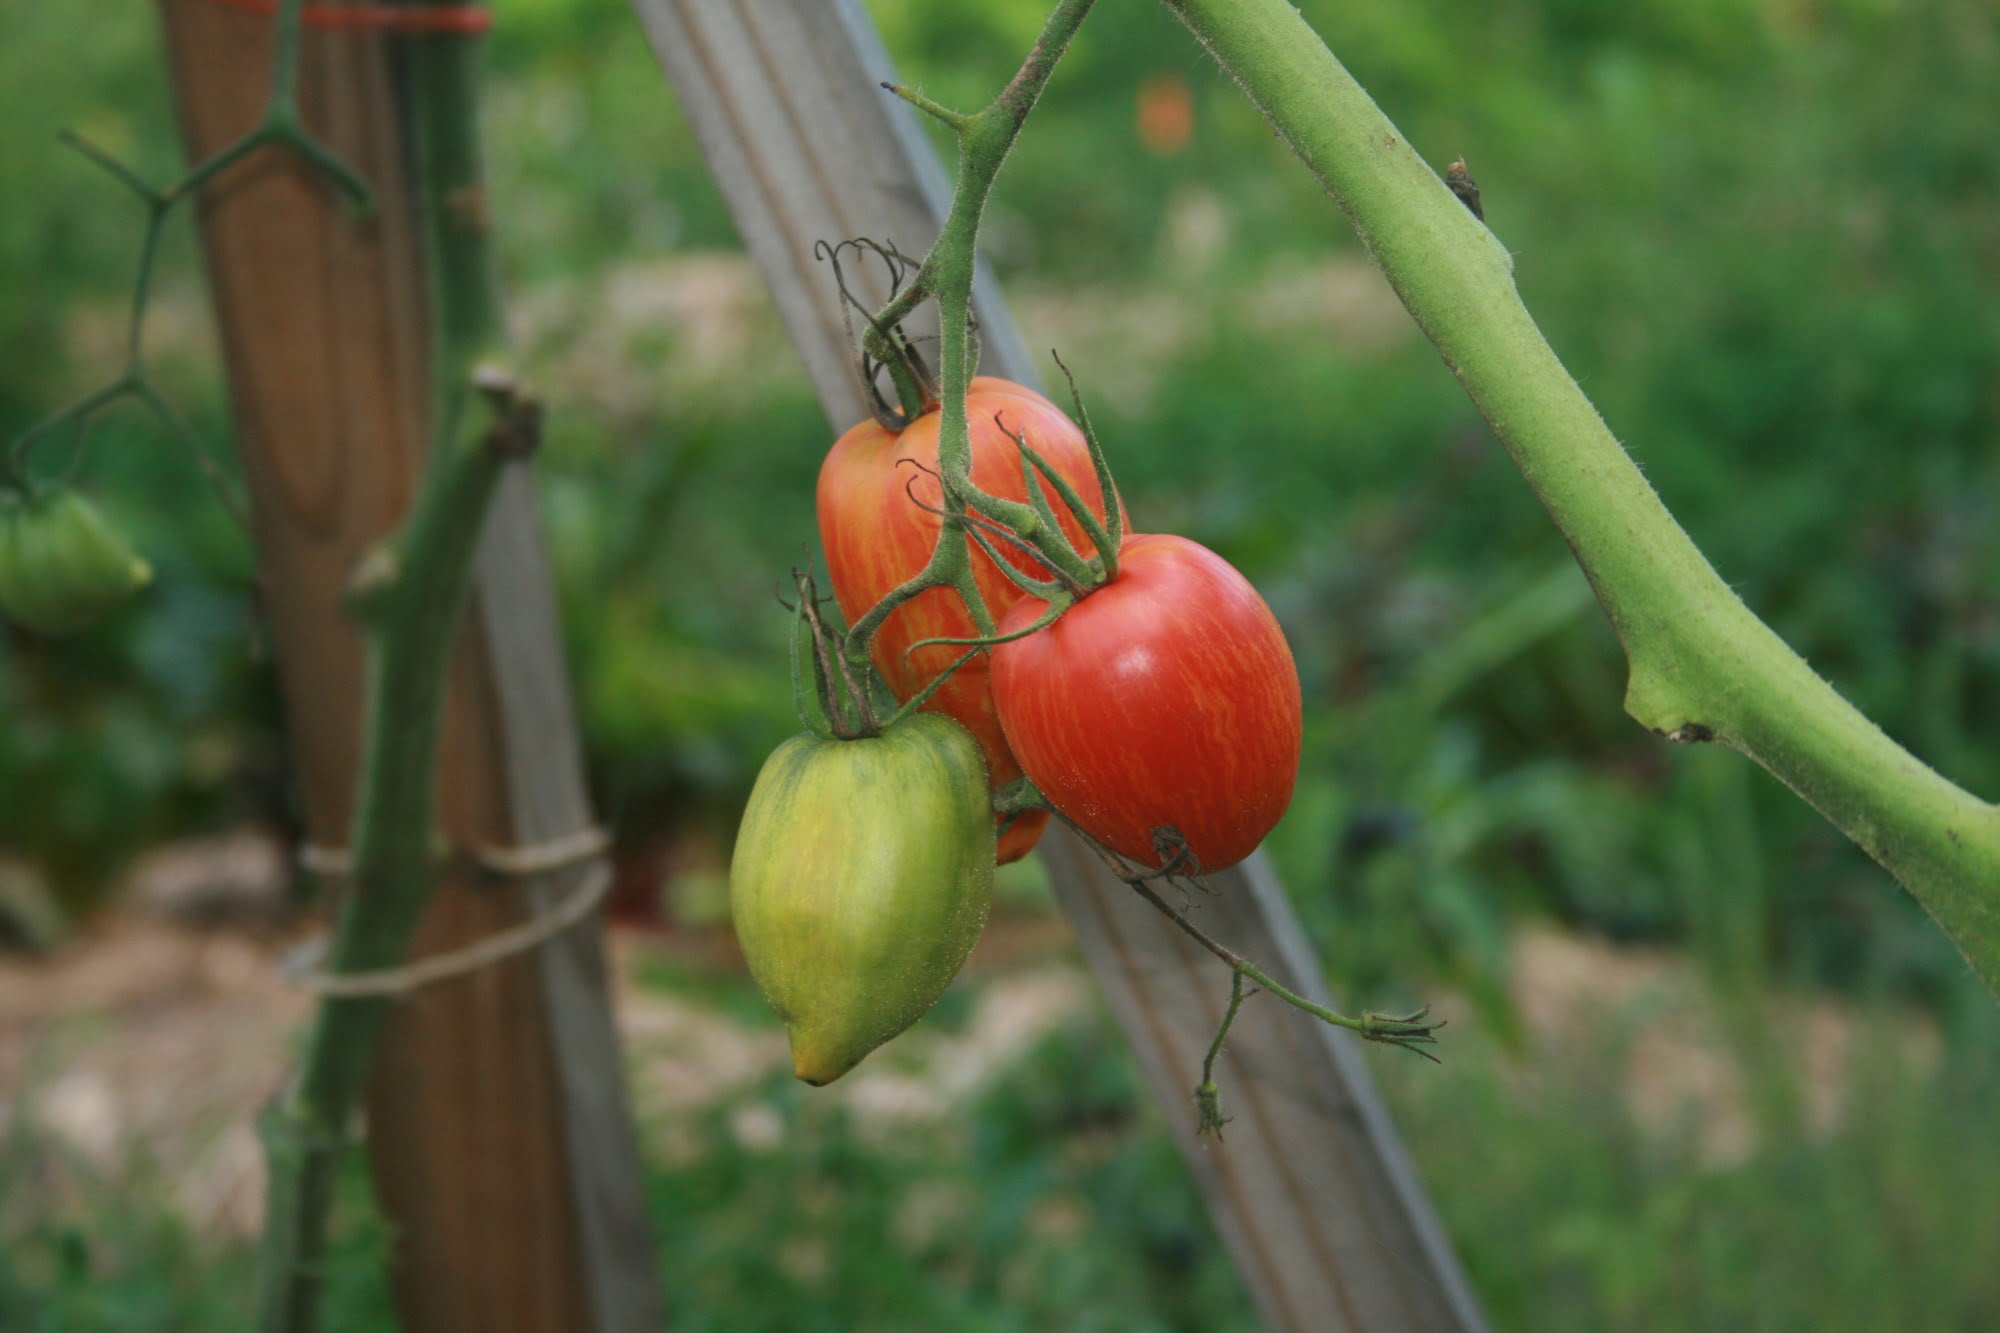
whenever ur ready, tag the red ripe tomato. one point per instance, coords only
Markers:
(875, 539)
(1166, 699)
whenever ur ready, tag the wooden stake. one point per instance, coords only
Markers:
(502, 1147)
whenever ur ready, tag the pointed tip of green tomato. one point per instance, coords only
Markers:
(816, 1066)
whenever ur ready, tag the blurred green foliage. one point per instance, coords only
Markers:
(1759, 231)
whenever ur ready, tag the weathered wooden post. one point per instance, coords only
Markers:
(1313, 1194)
(502, 1146)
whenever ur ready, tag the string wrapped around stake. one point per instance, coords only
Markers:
(301, 968)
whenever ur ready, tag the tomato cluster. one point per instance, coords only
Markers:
(1153, 705)
(1160, 713)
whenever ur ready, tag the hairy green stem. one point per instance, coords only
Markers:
(1058, 604)
(408, 594)
(984, 140)
(937, 682)
(1236, 998)
(1702, 666)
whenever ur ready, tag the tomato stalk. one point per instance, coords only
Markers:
(916, 389)
(1208, 1097)
(1703, 667)
(985, 138)
(1059, 602)
(1411, 1032)
(1067, 572)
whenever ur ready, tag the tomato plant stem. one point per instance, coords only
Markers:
(985, 138)
(1702, 665)
(408, 595)
(278, 127)
(1411, 1031)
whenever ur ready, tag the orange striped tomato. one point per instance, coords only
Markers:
(1161, 711)
(876, 538)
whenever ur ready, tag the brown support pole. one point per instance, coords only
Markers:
(501, 1144)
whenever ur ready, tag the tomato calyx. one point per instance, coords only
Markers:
(1036, 525)
(1034, 530)
(836, 693)
(1018, 797)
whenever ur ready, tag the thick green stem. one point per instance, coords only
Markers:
(1703, 667)
(409, 595)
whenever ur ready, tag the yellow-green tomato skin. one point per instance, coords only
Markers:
(862, 877)
(61, 565)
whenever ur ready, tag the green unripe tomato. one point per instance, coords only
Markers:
(61, 565)
(862, 876)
